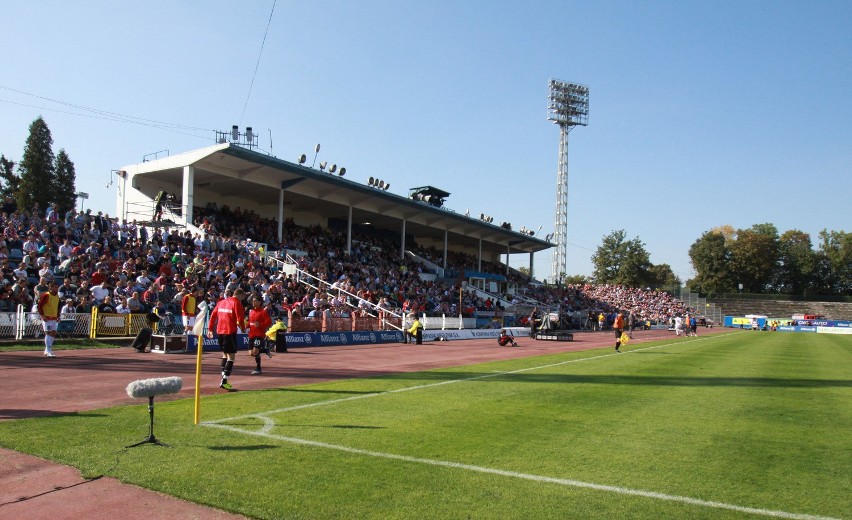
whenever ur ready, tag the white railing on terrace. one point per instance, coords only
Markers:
(316, 283)
(438, 270)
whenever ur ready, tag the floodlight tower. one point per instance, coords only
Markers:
(568, 107)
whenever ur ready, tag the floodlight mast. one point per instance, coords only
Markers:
(568, 107)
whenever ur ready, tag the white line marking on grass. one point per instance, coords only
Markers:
(526, 476)
(448, 382)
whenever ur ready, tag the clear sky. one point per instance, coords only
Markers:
(702, 113)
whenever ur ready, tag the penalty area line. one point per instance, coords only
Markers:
(527, 476)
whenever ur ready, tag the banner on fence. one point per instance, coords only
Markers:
(336, 339)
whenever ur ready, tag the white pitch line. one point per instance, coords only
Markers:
(449, 382)
(527, 476)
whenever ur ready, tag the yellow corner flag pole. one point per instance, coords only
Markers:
(199, 330)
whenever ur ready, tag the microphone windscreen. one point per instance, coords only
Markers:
(155, 386)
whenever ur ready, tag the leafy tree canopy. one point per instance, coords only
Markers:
(622, 262)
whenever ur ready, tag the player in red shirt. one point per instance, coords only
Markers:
(259, 322)
(228, 316)
(506, 339)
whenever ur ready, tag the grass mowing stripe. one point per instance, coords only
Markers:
(440, 383)
(526, 476)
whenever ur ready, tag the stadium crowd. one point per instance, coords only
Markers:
(131, 267)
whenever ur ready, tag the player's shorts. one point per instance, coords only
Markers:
(188, 321)
(49, 325)
(257, 343)
(618, 333)
(228, 343)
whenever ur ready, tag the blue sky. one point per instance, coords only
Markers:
(701, 113)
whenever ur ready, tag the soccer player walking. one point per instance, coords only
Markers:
(48, 309)
(259, 321)
(226, 318)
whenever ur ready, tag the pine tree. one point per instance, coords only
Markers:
(64, 183)
(10, 181)
(36, 169)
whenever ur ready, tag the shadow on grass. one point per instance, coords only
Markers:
(24, 413)
(319, 391)
(612, 379)
(254, 447)
(339, 426)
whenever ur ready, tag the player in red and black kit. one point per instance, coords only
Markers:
(259, 322)
(506, 339)
(227, 316)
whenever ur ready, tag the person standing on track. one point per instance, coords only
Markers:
(618, 328)
(258, 321)
(226, 318)
(189, 308)
(48, 309)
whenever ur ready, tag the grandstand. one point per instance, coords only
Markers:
(233, 176)
(331, 254)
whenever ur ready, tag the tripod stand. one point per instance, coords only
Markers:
(151, 439)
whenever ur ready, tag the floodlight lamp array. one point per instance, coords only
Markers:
(568, 103)
(379, 184)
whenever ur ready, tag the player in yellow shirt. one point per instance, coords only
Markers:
(48, 309)
(273, 336)
(415, 332)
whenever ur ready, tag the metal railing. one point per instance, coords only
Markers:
(709, 310)
(388, 317)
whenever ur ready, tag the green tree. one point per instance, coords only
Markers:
(835, 253)
(754, 257)
(8, 179)
(620, 261)
(796, 263)
(36, 168)
(711, 258)
(64, 183)
(576, 279)
(662, 277)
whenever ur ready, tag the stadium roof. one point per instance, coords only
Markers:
(227, 170)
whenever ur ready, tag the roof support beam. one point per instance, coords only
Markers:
(188, 194)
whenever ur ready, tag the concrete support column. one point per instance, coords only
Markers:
(188, 195)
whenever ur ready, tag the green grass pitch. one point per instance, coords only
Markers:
(740, 425)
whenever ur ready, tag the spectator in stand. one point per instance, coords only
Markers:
(21, 293)
(106, 305)
(42, 287)
(67, 309)
(31, 245)
(151, 296)
(142, 282)
(65, 250)
(134, 303)
(100, 292)
(122, 307)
